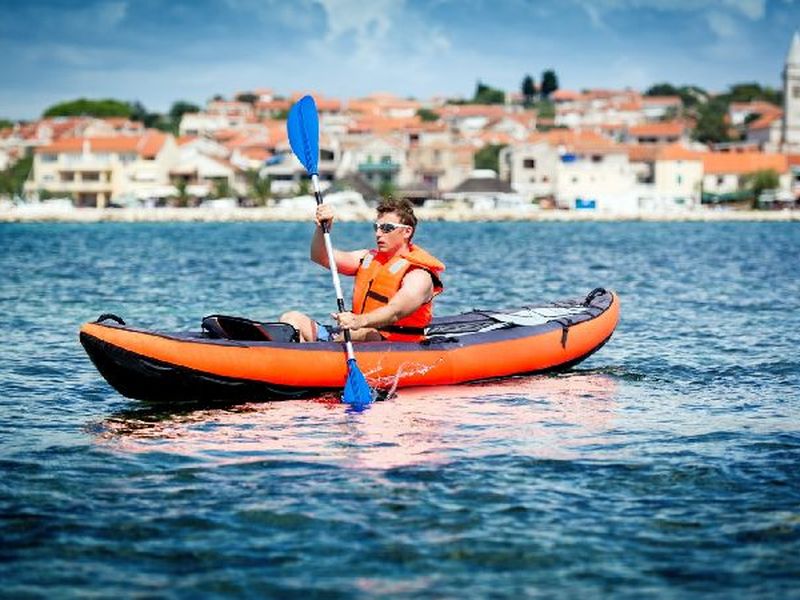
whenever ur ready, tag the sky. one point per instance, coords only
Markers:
(160, 51)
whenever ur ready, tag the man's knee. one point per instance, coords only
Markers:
(302, 322)
(292, 316)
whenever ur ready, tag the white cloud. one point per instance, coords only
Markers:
(723, 25)
(370, 35)
(111, 14)
(596, 9)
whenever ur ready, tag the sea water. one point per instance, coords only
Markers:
(667, 465)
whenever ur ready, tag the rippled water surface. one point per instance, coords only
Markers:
(666, 465)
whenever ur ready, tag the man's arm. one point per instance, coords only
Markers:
(347, 263)
(416, 290)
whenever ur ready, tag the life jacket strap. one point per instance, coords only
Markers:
(377, 296)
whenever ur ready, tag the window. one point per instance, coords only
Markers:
(49, 158)
(679, 180)
(720, 180)
(529, 163)
(67, 176)
(90, 176)
(325, 155)
(596, 158)
(796, 91)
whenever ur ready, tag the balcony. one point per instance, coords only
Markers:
(384, 166)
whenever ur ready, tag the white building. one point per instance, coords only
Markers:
(95, 170)
(579, 170)
(791, 97)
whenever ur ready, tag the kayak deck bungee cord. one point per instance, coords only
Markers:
(232, 358)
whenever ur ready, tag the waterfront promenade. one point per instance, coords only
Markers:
(37, 213)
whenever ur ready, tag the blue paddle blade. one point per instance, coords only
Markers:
(303, 129)
(357, 392)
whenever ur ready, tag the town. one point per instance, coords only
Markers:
(590, 152)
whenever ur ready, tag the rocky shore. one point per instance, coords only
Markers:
(37, 213)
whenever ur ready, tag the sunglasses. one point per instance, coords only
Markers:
(389, 227)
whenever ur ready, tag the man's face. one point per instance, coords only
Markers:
(390, 233)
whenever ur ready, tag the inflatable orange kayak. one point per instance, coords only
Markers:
(238, 359)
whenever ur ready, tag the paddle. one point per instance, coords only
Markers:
(303, 128)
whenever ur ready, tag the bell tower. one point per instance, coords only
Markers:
(791, 98)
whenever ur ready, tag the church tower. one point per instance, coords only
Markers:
(791, 98)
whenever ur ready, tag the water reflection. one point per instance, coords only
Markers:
(555, 417)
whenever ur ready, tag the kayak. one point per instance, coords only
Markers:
(237, 359)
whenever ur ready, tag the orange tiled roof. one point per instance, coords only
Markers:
(383, 124)
(642, 152)
(755, 106)
(256, 153)
(147, 145)
(678, 152)
(663, 129)
(495, 138)
(662, 100)
(794, 160)
(741, 163)
(564, 95)
(630, 106)
(273, 105)
(765, 120)
(576, 140)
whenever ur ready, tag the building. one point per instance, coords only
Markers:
(726, 172)
(95, 170)
(577, 169)
(791, 98)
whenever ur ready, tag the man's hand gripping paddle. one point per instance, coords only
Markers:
(303, 128)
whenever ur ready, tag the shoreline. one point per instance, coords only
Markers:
(46, 214)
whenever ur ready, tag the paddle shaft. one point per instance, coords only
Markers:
(332, 265)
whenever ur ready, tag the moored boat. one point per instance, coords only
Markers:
(233, 359)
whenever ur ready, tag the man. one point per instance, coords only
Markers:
(395, 283)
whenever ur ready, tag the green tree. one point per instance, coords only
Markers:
(662, 89)
(180, 108)
(141, 114)
(485, 94)
(5, 123)
(222, 188)
(761, 181)
(528, 90)
(303, 188)
(427, 115)
(711, 126)
(690, 95)
(248, 97)
(93, 108)
(183, 197)
(546, 109)
(549, 83)
(260, 187)
(386, 188)
(488, 157)
(13, 178)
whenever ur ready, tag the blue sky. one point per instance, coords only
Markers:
(159, 51)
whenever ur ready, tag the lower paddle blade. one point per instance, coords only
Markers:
(356, 389)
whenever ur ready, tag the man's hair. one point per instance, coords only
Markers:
(401, 207)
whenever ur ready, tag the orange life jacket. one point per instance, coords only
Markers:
(379, 277)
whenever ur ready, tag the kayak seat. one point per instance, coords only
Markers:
(246, 330)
